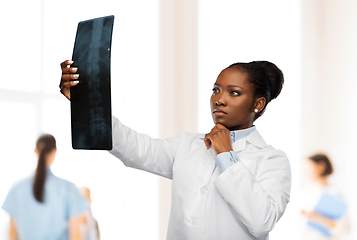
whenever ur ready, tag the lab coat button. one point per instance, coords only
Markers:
(203, 190)
(194, 222)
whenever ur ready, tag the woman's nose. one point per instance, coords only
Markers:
(220, 101)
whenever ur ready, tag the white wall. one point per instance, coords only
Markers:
(328, 86)
(178, 81)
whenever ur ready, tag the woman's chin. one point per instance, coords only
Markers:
(220, 122)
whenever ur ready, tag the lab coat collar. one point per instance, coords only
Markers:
(253, 138)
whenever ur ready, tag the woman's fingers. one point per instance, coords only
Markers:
(209, 136)
(207, 142)
(220, 126)
(67, 68)
(69, 84)
(69, 78)
(70, 70)
(219, 138)
(66, 63)
(65, 88)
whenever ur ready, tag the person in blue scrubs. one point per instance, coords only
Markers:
(43, 206)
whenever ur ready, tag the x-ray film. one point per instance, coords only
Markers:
(91, 112)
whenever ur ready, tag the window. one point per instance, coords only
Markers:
(31, 104)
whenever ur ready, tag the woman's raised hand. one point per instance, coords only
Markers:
(219, 138)
(68, 78)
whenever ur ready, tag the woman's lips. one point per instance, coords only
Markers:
(218, 112)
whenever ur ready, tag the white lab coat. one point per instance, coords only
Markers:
(242, 203)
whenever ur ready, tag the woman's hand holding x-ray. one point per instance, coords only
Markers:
(68, 78)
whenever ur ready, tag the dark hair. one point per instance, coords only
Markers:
(267, 79)
(322, 158)
(45, 144)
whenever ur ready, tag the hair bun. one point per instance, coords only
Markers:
(275, 76)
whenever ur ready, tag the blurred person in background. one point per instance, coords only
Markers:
(323, 207)
(89, 226)
(43, 206)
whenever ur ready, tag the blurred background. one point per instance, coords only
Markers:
(166, 56)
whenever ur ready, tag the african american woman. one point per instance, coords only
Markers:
(228, 183)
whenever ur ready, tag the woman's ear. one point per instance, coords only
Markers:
(37, 152)
(321, 166)
(259, 104)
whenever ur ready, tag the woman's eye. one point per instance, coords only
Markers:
(215, 90)
(235, 93)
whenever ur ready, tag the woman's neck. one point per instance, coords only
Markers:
(322, 181)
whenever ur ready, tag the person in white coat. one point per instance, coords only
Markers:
(319, 169)
(228, 183)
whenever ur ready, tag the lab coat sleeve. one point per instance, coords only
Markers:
(258, 201)
(142, 152)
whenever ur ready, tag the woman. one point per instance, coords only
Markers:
(89, 226)
(319, 169)
(228, 183)
(43, 206)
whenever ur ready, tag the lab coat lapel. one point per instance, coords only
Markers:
(208, 159)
